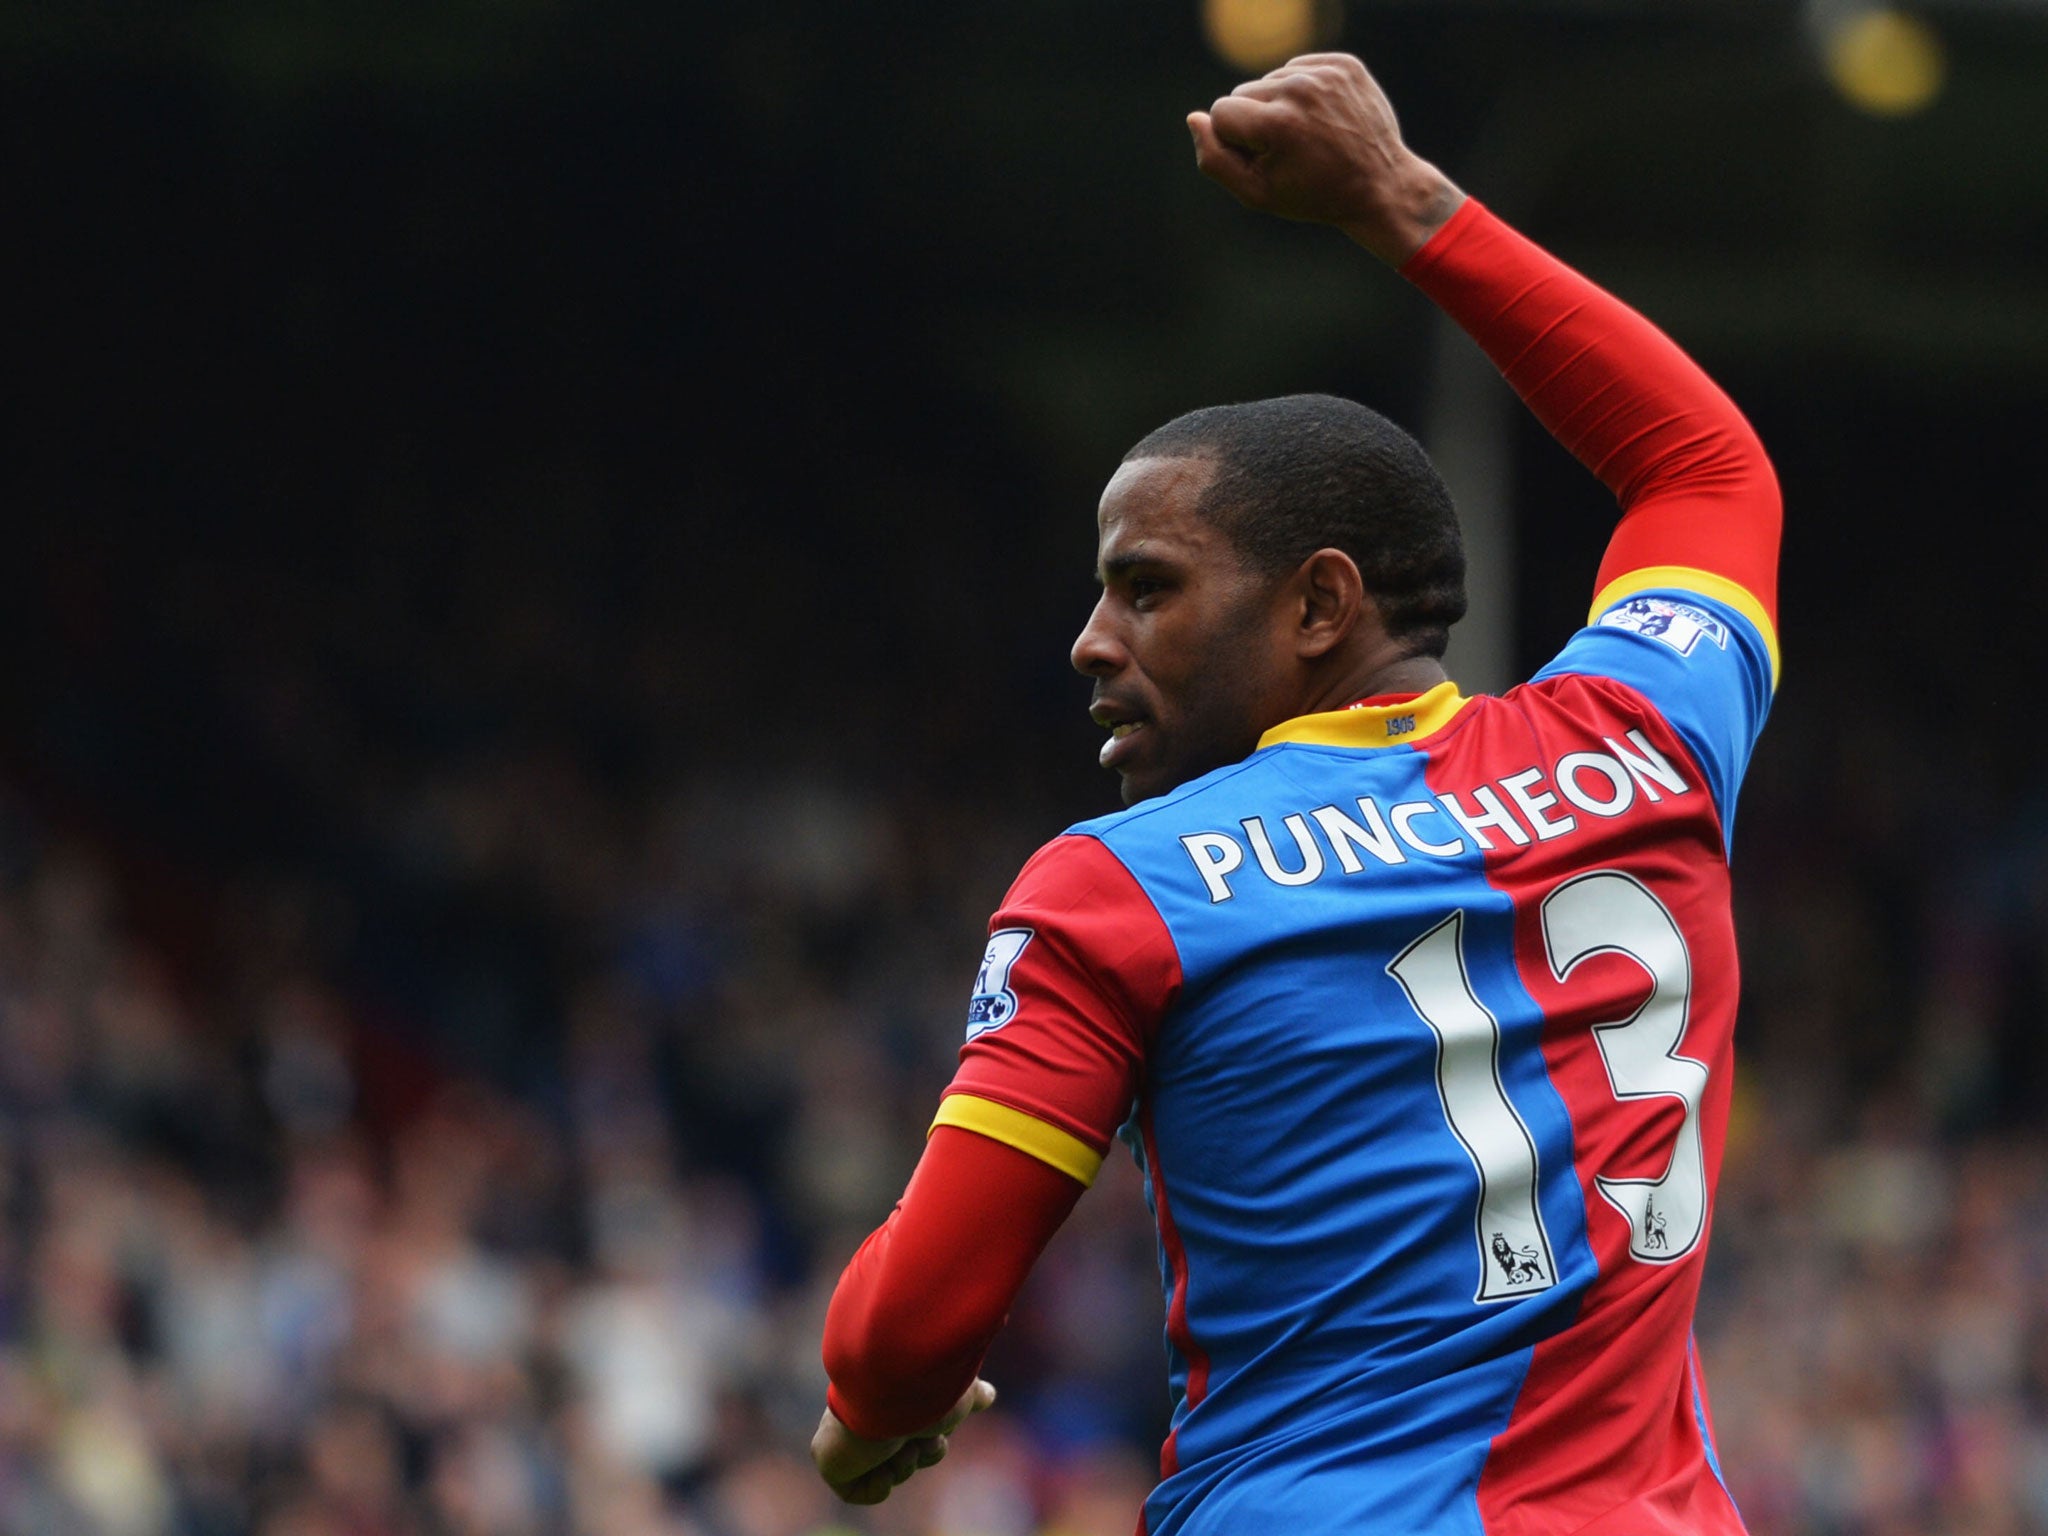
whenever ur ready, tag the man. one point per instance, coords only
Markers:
(1415, 1008)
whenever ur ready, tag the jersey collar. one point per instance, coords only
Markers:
(1373, 725)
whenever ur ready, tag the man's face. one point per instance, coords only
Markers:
(1187, 648)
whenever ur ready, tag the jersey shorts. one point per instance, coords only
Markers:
(1419, 1022)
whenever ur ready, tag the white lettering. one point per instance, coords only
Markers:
(1262, 845)
(1404, 814)
(1347, 836)
(1494, 814)
(1618, 780)
(1215, 854)
(1533, 806)
(1650, 769)
(1597, 783)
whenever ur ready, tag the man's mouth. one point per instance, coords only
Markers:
(1123, 728)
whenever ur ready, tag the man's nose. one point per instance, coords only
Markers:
(1096, 652)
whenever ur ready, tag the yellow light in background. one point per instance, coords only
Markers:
(1257, 34)
(1885, 62)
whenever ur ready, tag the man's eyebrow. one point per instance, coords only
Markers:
(1123, 565)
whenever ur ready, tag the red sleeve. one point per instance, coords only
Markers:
(919, 1303)
(1059, 1030)
(1695, 487)
(1078, 970)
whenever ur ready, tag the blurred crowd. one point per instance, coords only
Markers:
(239, 1295)
(481, 1160)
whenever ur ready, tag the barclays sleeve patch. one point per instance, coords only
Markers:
(994, 1004)
(1679, 625)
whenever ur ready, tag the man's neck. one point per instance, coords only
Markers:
(1409, 675)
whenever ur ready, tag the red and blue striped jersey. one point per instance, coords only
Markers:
(1435, 1004)
(1420, 1022)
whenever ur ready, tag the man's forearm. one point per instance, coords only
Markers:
(917, 1307)
(1694, 484)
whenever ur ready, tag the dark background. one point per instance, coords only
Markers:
(544, 543)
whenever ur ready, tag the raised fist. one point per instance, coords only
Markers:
(1316, 139)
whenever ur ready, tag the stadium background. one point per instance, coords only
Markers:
(543, 545)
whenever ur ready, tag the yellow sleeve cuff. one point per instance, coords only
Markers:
(1027, 1133)
(1686, 578)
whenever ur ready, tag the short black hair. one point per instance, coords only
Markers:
(1307, 472)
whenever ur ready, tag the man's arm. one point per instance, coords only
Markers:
(1696, 489)
(916, 1308)
(1317, 140)
(1078, 968)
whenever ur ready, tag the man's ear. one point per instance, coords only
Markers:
(1333, 601)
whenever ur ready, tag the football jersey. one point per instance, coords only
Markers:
(1419, 1022)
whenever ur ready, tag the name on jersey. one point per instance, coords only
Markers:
(1520, 808)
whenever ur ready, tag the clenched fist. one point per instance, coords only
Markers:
(867, 1471)
(1316, 140)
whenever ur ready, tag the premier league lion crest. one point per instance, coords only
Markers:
(994, 1004)
(1679, 625)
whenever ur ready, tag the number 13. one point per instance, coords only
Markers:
(1605, 912)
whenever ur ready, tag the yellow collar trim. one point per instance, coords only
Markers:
(1373, 725)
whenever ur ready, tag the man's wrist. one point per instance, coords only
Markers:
(846, 1418)
(1402, 222)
